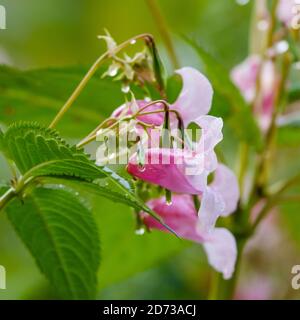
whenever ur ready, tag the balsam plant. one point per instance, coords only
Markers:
(46, 199)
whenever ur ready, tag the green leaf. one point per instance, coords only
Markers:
(237, 113)
(31, 146)
(290, 217)
(289, 137)
(125, 254)
(114, 188)
(39, 94)
(61, 234)
(289, 132)
(3, 188)
(294, 93)
(1, 139)
(39, 151)
(67, 168)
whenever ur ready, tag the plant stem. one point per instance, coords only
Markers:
(90, 74)
(263, 167)
(4, 199)
(244, 161)
(274, 199)
(163, 30)
(272, 22)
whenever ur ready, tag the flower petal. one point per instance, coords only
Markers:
(226, 185)
(210, 209)
(285, 12)
(170, 169)
(245, 75)
(196, 95)
(221, 251)
(180, 215)
(211, 135)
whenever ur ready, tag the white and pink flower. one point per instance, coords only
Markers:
(185, 177)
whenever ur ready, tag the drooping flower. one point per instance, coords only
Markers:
(185, 170)
(189, 167)
(255, 72)
(183, 218)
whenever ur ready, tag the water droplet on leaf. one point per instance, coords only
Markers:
(125, 88)
(140, 231)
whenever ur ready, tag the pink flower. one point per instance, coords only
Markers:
(183, 171)
(245, 76)
(186, 171)
(259, 287)
(183, 218)
(196, 95)
(286, 11)
(193, 102)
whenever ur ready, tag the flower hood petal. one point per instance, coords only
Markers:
(195, 97)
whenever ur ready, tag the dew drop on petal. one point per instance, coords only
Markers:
(169, 203)
(141, 168)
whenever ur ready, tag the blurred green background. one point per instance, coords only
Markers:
(64, 33)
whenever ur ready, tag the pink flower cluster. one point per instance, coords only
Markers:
(255, 72)
(218, 198)
(287, 10)
(260, 72)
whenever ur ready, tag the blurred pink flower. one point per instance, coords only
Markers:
(247, 76)
(285, 11)
(256, 288)
(182, 217)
